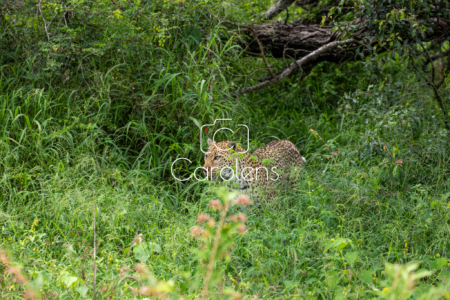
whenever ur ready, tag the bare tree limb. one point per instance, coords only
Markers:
(433, 86)
(275, 10)
(438, 55)
(263, 55)
(43, 19)
(296, 65)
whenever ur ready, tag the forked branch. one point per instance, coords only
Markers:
(293, 66)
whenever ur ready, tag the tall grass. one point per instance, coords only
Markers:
(375, 189)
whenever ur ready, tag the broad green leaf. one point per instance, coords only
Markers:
(351, 257)
(365, 276)
(141, 252)
(70, 281)
(434, 204)
(82, 290)
(339, 243)
(332, 278)
(438, 263)
(445, 275)
(154, 247)
(288, 285)
(165, 286)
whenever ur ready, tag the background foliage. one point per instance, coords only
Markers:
(98, 98)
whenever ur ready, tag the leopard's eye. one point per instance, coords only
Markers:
(216, 157)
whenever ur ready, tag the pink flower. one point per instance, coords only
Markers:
(196, 231)
(202, 218)
(242, 228)
(243, 200)
(234, 218)
(215, 204)
(242, 217)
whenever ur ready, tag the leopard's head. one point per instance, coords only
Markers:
(219, 159)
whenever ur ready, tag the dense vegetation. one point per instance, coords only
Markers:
(98, 99)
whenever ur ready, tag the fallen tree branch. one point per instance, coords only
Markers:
(307, 43)
(279, 39)
(295, 65)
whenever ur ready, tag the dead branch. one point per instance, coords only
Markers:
(296, 65)
(276, 9)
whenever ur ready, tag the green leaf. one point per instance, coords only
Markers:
(445, 196)
(70, 281)
(196, 122)
(28, 121)
(332, 278)
(141, 252)
(438, 263)
(339, 243)
(445, 275)
(82, 290)
(365, 276)
(351, 257)
(154, 247)
(434, 204)
(288, 285)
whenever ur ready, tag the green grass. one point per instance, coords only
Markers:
(375, 188)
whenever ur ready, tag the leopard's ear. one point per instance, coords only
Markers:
(232, 145)
(210, 142)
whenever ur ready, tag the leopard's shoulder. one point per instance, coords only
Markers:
(282, 150)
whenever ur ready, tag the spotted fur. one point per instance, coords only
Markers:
(260, 174)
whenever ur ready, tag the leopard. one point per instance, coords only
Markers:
(260, 175)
